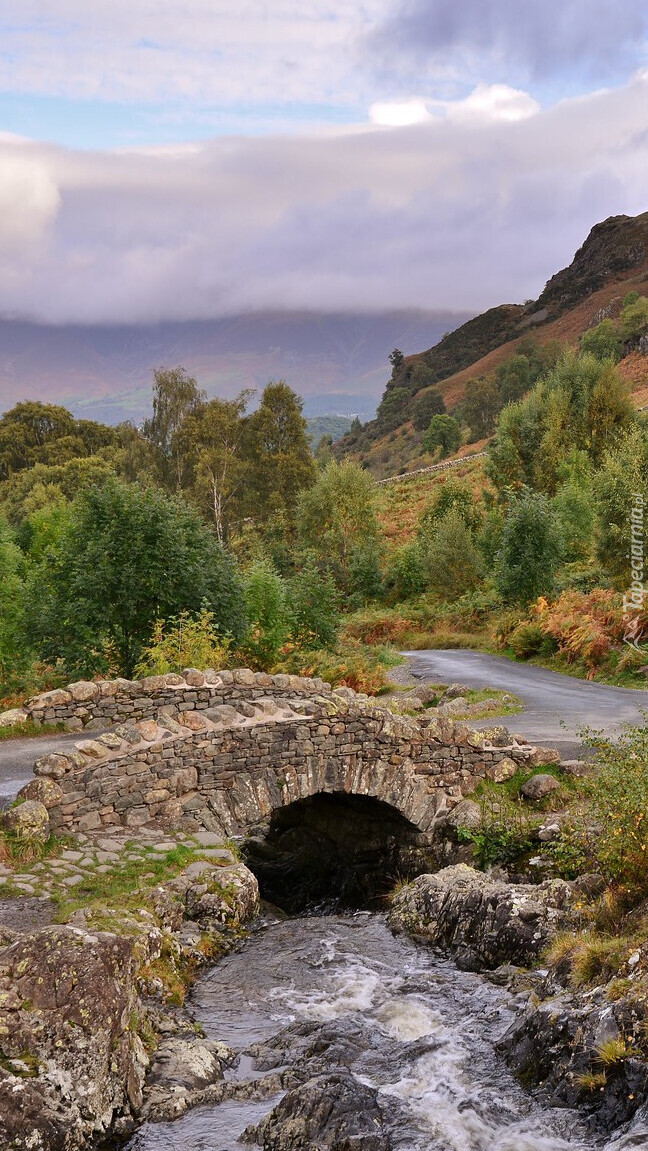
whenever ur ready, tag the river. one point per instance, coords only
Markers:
(400, 1016)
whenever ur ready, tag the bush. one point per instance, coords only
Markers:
(313, 608)
(184, 641)
(352, 665)
(266, 602)
(430, 403)
(619, 798)
(529, 551)
(407, 577)
(527, 639)
(584, 626)
(452, 559)
(377, 627)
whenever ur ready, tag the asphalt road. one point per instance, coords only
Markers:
(556, 707)
(17, 757)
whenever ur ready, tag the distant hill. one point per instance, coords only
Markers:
(338, 362)
(333, 426)
(612, 261)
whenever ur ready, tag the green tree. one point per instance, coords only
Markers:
(529, 552)
(33, 433)
(603, 341)
(314, 607)
(337, 519)
(444, 432)
(480, 406)
(176, 395)
(128, 557)
(396, 359)
(581, 405)
(451, 557)
(407, 571)
(452, 495)
(13, 647)
(622, 478)
(392, 409)
(211, 439)
(278, 458)
(268, 614)
(634, 318)
(426, 405)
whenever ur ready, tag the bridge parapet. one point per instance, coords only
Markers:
(228, 766)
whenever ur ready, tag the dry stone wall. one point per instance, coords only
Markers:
(226, 767)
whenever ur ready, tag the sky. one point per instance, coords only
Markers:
(180, 160)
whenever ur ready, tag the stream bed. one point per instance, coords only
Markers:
(340, 991)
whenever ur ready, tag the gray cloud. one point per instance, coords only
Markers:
(461, 212)
(584, 40)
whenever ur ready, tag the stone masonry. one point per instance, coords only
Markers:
(225, 751)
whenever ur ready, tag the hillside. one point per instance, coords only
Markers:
(336, 361)
(612, 261)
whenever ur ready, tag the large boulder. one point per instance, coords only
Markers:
(539, 786)
(28, 820)
(332, 1112)
(71, 1061)
(485, 922)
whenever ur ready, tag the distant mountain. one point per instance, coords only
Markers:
(338, 362)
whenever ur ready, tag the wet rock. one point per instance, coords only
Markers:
(484, 922)
(28, 820)
(539, 787)
(329, 1113)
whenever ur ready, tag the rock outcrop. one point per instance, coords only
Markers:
(329, 1113)
(483, 922)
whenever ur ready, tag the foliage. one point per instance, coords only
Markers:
(14, 653)
(128, 557)
(426, 405)
(528, 556)
(313, 607)
(480, 406)
(392, 407)
(350, 665)
(527, 639)
(619, 798)
(176, 395)
(183, 641)
(278, 459)
(584, 625)
(622, 478)
(268, 614)
(36, 433)
(574, 510)
(634, 318)
(453, 495)
(211, 438)
(337, 522)
(451, 557)
(443, 432)
(603, 341)
(407, 575)
(581, 405)
(507, 830)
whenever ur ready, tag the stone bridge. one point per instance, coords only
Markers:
(225, 751)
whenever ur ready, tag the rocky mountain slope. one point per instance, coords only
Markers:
(612, 262)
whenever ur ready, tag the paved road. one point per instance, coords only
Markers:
(556, 706)
(17, 758)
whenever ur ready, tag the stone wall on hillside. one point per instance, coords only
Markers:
(228, 767)
(99, 703)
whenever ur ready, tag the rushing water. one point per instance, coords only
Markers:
(426, 1034)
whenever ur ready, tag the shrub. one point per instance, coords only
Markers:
(184, 641)
(313, 607)
(266, 602)
(351, 665)
(527, 639)
(529, 552)
(585, 626)
(619, 799)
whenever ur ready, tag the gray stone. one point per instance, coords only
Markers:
(28, 821)
(539, 787)
(467, 814)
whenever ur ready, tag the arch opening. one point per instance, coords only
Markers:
(335, 850)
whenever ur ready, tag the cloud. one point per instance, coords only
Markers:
(466, 209)
(581, 41)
